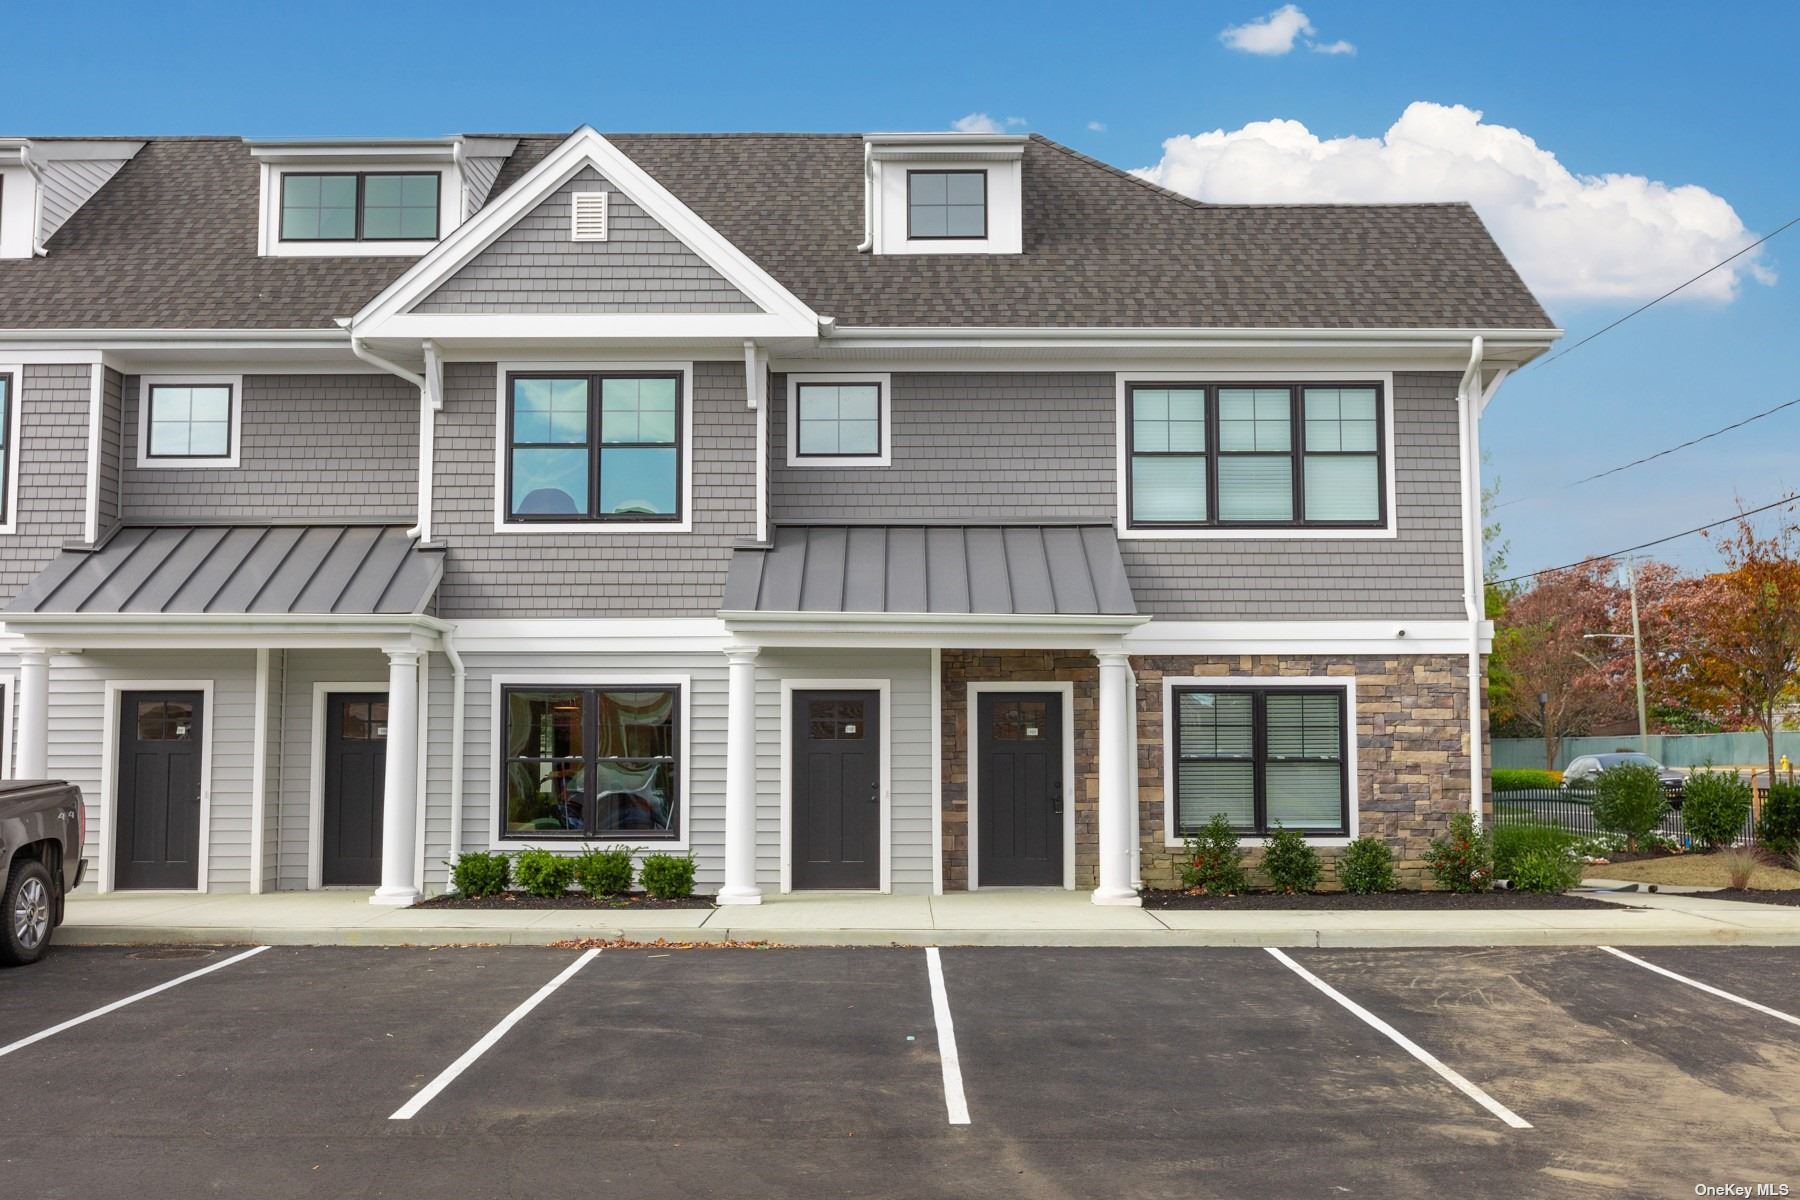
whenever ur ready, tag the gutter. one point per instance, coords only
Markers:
(430, 401)
(1469, 399)
(37, 202)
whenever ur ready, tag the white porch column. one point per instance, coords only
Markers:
(33, 758)
(400, 798)
(1117, 711)
(740, 779)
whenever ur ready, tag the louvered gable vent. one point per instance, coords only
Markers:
(587, 213)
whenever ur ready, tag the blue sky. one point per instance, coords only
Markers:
(1678, 93)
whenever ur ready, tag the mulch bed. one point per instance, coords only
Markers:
(1787, 896)
(1384, 901)
(520, 900)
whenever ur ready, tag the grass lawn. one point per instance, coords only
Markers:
(1695, 870)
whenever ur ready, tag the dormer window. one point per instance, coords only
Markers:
(946, 204)
(944, 193)
(360, 206)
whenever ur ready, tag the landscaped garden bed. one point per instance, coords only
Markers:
(1787, 896)
(525, 900)
(1377, 901)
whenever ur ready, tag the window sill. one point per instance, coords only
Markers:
(839, 461)
(1157, 533)
(222, 463)
(594, 527)
(1261, 841)
(641, 844)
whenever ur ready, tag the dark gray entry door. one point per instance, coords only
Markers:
(1019, 740)
(157, 843)
(355, 774)
(837, 790)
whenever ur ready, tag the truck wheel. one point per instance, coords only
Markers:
(25, 914)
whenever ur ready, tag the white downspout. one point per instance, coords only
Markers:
(756, 365)
(422, 529)
(1469, 410)
(868, 199)
(456, 742)
(37, 202)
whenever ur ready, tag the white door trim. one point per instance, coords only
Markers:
(1064, 688)
(9, 687)
(870, 683)
(108, 841)
(315, 799)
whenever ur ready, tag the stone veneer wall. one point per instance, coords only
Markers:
(963, 667)
(1412, 733)
(1412, 730)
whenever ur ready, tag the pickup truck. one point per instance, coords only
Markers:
(43, 825)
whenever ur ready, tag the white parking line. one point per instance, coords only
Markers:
(1407, 1044)
(954, 1101)
(410, 1109)
(116, 1005)
(1708, 988)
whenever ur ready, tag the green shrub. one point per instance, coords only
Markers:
(1290, 862)
(1366, 867)
(1779, 828)
(477, 874)
(1714, 806)
(1513, 841)
(1212, 861)
(603, 872)
(668, 876)
(1629, 800)
(543, 872)
(1463, 859)
(1545, 869)
(1599, 845)
(1526, 779)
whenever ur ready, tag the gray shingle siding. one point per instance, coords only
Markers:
(1417, 574)
(535, 267)
(312, 446)
(598, 574)
(991, 446)
(1041, 446)
(52, 428)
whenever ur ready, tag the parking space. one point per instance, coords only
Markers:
(796, 1072)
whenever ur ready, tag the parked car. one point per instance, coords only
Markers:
(1585, 770)
(43, 824)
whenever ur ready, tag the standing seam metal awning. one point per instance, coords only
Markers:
(239, 570)
(991, 570)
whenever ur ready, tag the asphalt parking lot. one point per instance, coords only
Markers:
(898, 1073)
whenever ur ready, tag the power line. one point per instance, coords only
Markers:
(1638, 462)
(1544, 362)
(1593, 558)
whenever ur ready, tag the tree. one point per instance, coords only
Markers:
(1539, 650)
(1739, 660)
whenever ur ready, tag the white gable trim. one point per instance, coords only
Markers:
(584, 148)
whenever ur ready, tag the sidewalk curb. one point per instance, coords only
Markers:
(1366, 939)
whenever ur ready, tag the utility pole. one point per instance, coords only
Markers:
(1637, 653)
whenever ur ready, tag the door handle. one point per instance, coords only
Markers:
(1056, 797)
(874, 793)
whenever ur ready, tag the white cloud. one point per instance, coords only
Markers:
(1579, 238)
(1338, 47)
(980, 122)
(1273, 34)
(1096, 126)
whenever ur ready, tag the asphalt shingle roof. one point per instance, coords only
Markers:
(170, 242)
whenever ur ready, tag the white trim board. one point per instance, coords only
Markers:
(315, 780)
(971, 746)
(685, 407)
(684, 753)
(230, 460)
(884, 381)
(9, 688)
(1346, 683)
(881, 684)
(106, 845)
(1122, 466)
(14, 427)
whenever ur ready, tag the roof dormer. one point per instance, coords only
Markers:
(371, 197)
(943, 193)
(43, 181)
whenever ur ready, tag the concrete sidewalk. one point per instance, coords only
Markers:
(986, 918)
